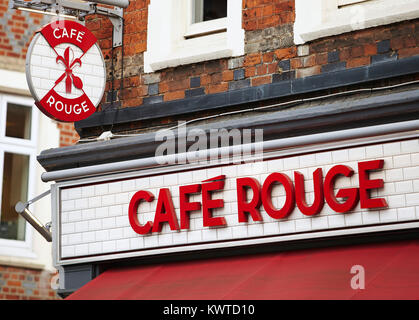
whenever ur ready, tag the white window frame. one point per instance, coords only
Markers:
(18, 248)
(173, 40)
(205, 27)
(322, 18)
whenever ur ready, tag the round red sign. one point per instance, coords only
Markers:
(65, 71)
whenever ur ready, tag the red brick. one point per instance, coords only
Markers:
(262, 69)
(321, 58)
(370, 49)
(287, 17)
(132, 102)
(357, 51)
(228, 75)
(358, 62)
(205, 79)
(397, 43)
(250, 25)
(273, 67)
(296, 63)
(268, 57)
(408, 52)
(261, 80)
(307, 72)
(309, 61)
(266, 22)
(174, 95)
(287, 53)
(268, 10)
(215, 88)
(250, 72)
(252, 59)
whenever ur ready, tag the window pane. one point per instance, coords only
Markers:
(18, 121)
(15, 188)
(205, 10)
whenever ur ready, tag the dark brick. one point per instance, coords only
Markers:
(336, 66)
(283, 76)
(194, 92)
(234, 85)
(152, 99)
(239, 74)
(285, 65)
(333, 56)
(383, 57)
(195, 82)
(153, 89)
(111, 96)
(383, 46)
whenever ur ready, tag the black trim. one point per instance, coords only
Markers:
(210, 102)
(333, 116)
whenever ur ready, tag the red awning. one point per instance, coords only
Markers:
(391, 272)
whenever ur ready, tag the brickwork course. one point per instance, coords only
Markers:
(270, 55)
(26, 284)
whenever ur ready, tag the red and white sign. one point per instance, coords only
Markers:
(65, 71)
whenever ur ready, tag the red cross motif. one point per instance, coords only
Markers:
(68, 74)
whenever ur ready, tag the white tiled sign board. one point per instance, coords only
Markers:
(93, 218)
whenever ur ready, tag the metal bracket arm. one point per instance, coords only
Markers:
(22, 209)
(75, 9)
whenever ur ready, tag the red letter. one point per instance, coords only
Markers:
(208, 204)
(318, 203)
(267, 195)
(251, 207)
(185, 205)
(365, 184)
(165, 211)
(133, 211)
(351, 194)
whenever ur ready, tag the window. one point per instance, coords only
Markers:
(206, 10)
(189, 31)
(18, 149)
(207, 17)
(322, 18)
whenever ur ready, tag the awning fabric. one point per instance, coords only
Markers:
(391, 272)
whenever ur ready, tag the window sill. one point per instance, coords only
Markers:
(205, 48)
(21, 262)
(183, 59)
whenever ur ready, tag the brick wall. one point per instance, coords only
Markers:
(16, 30)
(68, 135)
(25, 284)
(270, 55)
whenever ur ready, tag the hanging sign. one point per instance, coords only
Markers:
(65, 71)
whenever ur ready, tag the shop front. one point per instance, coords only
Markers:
(330, 213)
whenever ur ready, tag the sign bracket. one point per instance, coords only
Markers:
(75, 10)
(22, 209)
